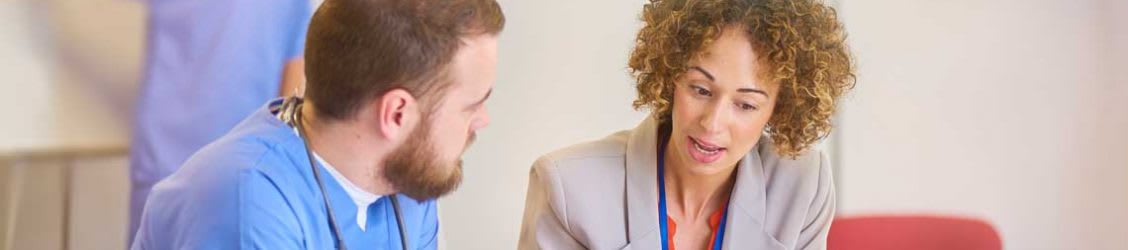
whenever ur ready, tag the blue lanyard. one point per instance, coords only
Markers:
(663, 217)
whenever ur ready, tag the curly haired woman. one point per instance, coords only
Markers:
(739, 91)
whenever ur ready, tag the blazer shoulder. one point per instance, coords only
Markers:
(583, 187)
(610, 147)
(809, 164)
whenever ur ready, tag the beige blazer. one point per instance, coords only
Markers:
(603, 195)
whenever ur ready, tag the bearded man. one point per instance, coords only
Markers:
(396, 91)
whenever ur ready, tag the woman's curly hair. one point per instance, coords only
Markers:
(800, 42)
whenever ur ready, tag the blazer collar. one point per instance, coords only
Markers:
(642, 186)
(748, 206)
(746, 209)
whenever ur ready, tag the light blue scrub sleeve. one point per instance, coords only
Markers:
(267, 221)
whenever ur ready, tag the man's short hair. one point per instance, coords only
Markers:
(360, 49)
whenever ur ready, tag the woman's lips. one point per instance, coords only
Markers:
(704, 152)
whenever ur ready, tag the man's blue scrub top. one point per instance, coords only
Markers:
(209, 64)
(254, 189)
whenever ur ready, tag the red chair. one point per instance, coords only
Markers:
(912, 233)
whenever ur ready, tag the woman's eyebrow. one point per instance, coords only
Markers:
(706, 73)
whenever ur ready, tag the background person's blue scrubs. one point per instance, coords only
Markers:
(209, 64)
(254, 189)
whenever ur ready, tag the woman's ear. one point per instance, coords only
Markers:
(398, 113)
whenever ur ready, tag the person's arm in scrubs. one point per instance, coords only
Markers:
(543, 227)
(293, 70)
(293, 77)
(821, 212)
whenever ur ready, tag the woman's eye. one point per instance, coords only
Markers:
(748, 107)
(701, 91)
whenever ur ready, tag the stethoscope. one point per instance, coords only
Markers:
(292, 106)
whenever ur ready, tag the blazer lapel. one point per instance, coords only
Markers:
(745, 228)
(748, 206)
(642, 186)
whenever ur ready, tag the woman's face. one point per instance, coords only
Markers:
(721, 105)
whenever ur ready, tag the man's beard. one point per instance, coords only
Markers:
(417, 170)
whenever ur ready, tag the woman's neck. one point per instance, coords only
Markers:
(694, 196)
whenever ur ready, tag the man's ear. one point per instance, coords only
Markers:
(398, 114)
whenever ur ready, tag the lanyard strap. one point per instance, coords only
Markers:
(663, 217)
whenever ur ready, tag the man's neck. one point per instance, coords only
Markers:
(349, 149)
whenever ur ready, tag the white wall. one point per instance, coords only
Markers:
(562, 79)
(70, 71)
(1008, 110)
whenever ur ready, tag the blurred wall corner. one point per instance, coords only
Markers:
(71, 71)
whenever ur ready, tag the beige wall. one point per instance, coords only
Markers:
(561, 80)
(1010, 110)
(71, 68)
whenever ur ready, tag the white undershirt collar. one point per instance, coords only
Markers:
(359, 196)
